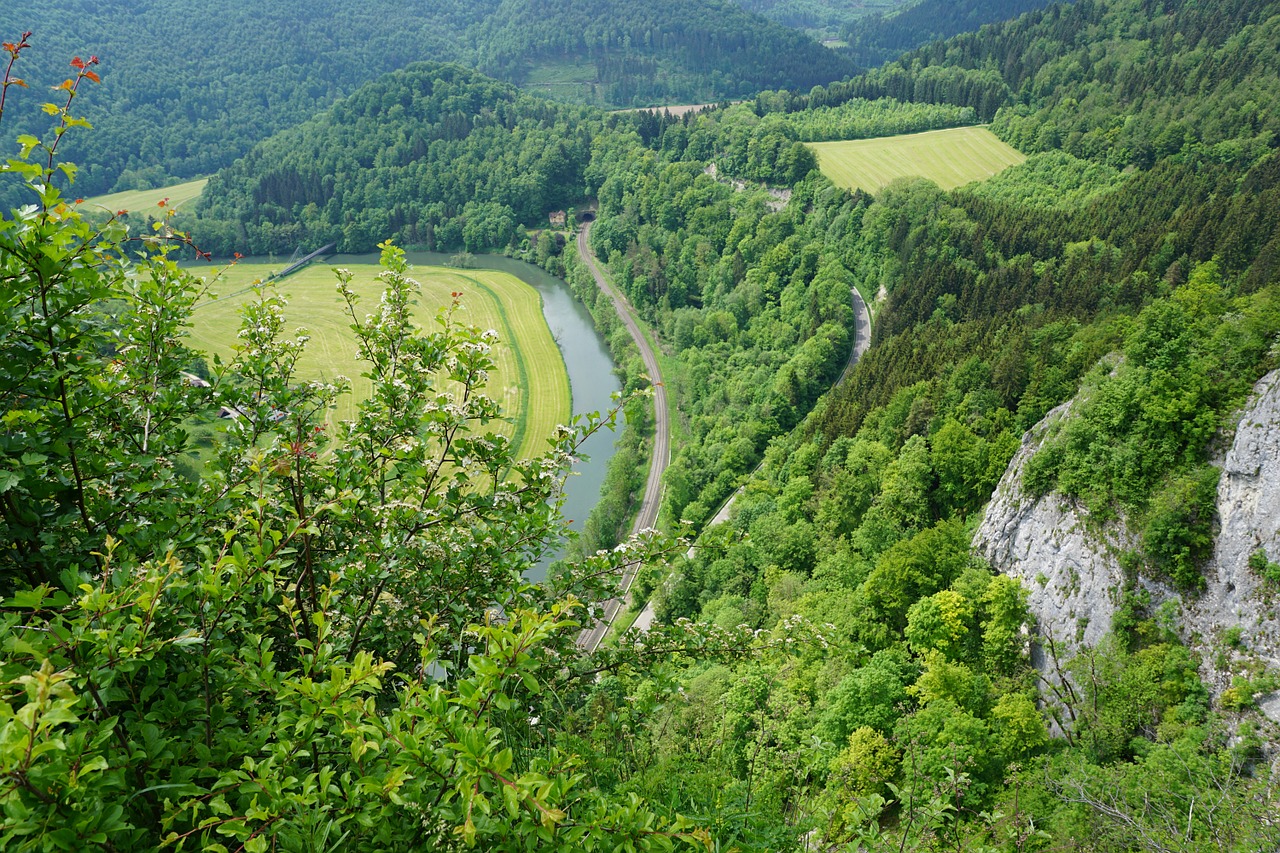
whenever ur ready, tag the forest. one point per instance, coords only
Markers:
(191, 87)
(323, 641)
(874, 40)
(657, 51)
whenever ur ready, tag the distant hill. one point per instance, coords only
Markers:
(433, 155)
(873, 40)
(187, 86)
(824, 16)
(641, 53)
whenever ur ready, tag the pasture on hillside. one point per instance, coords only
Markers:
(949, 158)
(147, 201)
(530, 381)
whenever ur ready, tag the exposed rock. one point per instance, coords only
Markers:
(1072, 572)
(1069, 567)
(1249, 517)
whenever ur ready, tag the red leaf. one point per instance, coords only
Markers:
(92, 75)
(77, 63)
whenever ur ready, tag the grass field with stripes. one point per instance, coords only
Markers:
(530, 381)
(949, 158)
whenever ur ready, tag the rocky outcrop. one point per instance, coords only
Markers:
(1249, 518)
(1072, 570)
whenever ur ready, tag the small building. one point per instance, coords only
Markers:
(556, 218)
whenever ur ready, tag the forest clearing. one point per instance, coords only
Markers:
(144, 201)
(949, 158)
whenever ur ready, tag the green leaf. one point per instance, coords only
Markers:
(38, 598)
(27, 143)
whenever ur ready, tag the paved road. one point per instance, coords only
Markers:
(861, 335)
(648, 515)
(661, 456)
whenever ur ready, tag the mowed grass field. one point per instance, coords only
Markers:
(147, 201)
(530, 381)
(949, 158)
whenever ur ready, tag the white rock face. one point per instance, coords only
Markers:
(1249, 514)
(1071, 569)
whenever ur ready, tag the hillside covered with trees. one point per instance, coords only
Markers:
(657, 51)
(431, 155)
(191, 86)
(301, 648)
(874, 40)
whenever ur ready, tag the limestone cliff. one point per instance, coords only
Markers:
(1072, 570)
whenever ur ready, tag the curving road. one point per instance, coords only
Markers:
(861, 341)
(861, 334)
(648, 515)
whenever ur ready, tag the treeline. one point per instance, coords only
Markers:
(982, 89)
(863, 119)
(433, 155)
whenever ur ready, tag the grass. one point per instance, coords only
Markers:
(148, 200)
(949, 158)
(530, 381)
(563, 79)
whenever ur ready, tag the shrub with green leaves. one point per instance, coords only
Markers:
(324, 642)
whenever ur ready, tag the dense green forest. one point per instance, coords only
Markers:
(875, 40)
(432, 155)
(190, 87)
(299, 650)
(657, 51)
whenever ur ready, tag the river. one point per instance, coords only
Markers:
(591, 378)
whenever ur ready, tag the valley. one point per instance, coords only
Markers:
(998, 572)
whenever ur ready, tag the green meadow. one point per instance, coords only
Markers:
(146, 201)
(949, 158)
(530, 381)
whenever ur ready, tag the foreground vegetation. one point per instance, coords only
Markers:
(528, 378)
